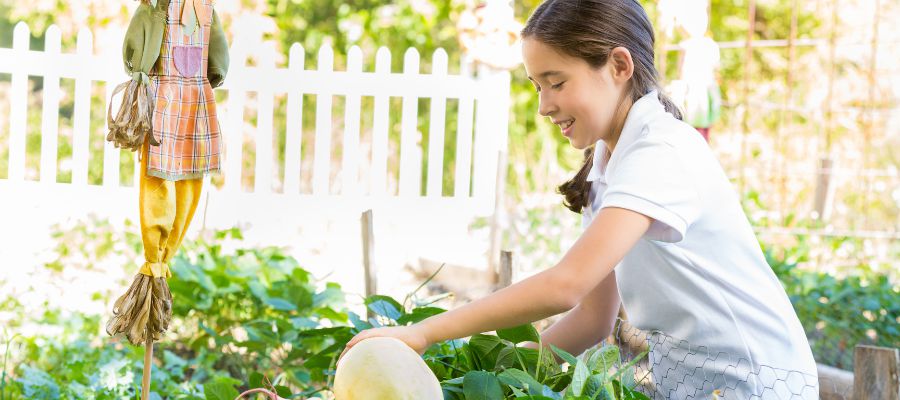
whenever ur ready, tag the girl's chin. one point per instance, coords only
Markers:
(578, 143)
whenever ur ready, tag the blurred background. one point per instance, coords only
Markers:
(798, 99)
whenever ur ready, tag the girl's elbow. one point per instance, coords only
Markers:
(567, 294)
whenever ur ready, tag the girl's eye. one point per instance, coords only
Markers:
(558, 85)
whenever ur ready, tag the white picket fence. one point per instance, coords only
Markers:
(483, 100)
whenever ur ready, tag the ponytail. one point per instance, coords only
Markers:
(670, 106)
(575, 191)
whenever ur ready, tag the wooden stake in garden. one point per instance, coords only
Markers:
(148, 365)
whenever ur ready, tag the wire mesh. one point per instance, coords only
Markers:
(678, 369)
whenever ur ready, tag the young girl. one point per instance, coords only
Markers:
(664, 233)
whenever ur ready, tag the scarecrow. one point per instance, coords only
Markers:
(176, 53)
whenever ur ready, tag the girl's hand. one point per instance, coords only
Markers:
(412, 335)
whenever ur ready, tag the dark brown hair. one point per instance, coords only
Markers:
(589, 30)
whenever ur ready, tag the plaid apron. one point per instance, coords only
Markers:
(184, 119)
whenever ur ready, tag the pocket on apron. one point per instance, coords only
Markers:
(188, 59)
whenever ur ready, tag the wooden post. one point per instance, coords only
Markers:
(869, 120)
(495, 233)
(745, 115)
(834, 383)
(148, 367)
(824, 192)
(368, 241)
(876, 374)
(504, 275)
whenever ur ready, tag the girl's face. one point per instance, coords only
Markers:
(581, 100)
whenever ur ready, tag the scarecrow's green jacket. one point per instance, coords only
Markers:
(143, 42)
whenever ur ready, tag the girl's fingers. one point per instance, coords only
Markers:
(350, 344)
(360, 336)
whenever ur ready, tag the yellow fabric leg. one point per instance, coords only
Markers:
(157, 211)
(166, 210)
(187, 196)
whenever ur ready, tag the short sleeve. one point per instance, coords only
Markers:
(650, 178)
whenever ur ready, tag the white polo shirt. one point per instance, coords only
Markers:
(698, 276)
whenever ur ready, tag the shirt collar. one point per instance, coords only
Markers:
(638, 116)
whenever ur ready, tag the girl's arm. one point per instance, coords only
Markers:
(589, 322)
(590, 260)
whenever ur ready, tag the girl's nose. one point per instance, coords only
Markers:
(545, 107)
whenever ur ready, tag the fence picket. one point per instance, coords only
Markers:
(82, 112)
(322, 161)
(18, 108)
(380, 127)
(265, 127)
(436, 130)
(294, 125)
(350, 168)
(111, 154)
(410, 164)
(233, 128)
(50, 110)
(462, 178)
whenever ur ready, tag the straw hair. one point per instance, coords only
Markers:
(145, 309)
(132, 125)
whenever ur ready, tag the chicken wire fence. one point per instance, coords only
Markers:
(676, 369)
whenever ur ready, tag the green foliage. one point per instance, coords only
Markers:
(497, 367)
(252, 317)
(247, 317)
(256, 310)
(840, 313)
(73, 365)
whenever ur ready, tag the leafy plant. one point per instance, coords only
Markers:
(839, 313)
(488, 367)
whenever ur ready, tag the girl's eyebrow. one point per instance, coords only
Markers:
(547, 74)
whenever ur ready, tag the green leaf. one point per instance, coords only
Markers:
(418, 314)
(258, 290)
(385, 306)
(580, 377)
(566, 356)
(481, 385)
(519, 334)
(520, 379)
(219, 390)
(302, 376)
(604, 358)
(454, 381)
(485, 350)
(303, 323)
(280, 304)
(283, 391)
(331, 296)
(358, 322)
(256, 379)
(629, 394)
(331, 314)
(38, 384)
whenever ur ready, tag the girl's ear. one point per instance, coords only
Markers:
(621, 63)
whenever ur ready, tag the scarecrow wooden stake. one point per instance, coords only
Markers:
(176, 53)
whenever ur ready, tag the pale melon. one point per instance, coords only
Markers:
(384, 368)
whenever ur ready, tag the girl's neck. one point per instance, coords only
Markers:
(619, 118)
